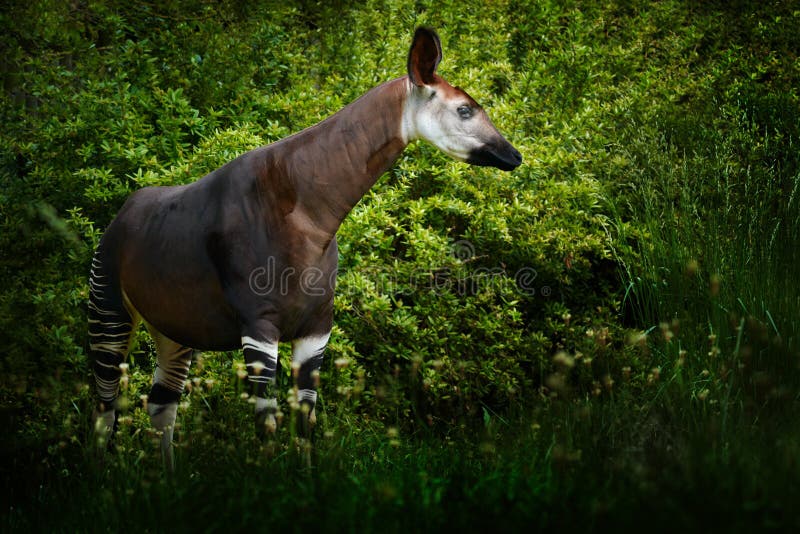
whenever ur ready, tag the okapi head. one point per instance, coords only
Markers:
(446, 116)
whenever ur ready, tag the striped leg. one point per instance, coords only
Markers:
(170, 376)
(261, 358)
(111, 329)
(306, 361)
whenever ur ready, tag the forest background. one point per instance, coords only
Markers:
(607, 336)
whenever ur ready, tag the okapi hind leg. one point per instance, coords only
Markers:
(172, 368)
(111, 331)
(307, 355)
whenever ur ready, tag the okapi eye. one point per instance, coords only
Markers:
(464, 112)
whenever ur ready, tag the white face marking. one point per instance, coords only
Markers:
(430, 115)
(305, 348)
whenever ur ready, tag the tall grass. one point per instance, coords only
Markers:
(714, 287)
(577, 465)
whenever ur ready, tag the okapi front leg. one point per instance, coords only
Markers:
(168, 383)
(261, 359)
(306, 361)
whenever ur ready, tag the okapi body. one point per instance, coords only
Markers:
(247, 255)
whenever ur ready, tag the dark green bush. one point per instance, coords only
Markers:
(455, 281)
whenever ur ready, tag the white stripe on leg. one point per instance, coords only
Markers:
(305, 348)
(307, 395)
(266, 347)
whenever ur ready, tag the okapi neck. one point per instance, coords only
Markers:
(335, 162)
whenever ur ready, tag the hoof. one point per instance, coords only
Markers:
(270, 424)
(103, 427)
(266, 422)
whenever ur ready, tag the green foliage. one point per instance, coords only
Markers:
(612, 325)
(451, 276)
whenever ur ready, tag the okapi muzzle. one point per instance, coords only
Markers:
(496, 153)
(184, 259)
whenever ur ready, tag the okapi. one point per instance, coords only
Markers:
(194, 261)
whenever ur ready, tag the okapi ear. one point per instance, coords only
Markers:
(424, 57)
